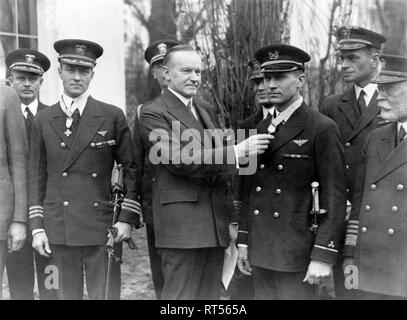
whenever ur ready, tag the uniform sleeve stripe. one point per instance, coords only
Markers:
(36, 207)
(36, 211)
(133, 207)
(352, 232)
(36, 215)
(242, 231)
(351, 240)
(353, 221)
(129, 201)
(325, 248)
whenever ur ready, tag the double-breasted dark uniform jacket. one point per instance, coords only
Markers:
(278, 198)
(70, 177)
(246, 124)
(191, 200)
(377, 232)
(13, 162)
(353, 129)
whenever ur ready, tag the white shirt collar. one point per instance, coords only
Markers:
(269, 110)
(78, 103)
(400, 124)
(369, 90)
(33, 106)
(181, 97)
(185, 101)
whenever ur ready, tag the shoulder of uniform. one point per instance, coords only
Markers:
(107, 107)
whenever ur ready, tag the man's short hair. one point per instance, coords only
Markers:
(175, 49)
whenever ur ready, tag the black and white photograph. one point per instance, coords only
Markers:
(205, 152)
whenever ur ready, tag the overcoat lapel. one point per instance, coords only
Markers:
(348, 107)
(371, 112)
(182, 114)
(91, 121)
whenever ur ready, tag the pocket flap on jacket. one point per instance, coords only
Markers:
(171, 196)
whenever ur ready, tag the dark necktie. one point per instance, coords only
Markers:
(264, 124)
(361, 102)
(401, 135)
(75, 117)
(29, 121)
(30, 116)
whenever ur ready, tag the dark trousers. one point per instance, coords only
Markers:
(20, 273)
(192, 274)
(75, 263)
(155, 262)
(240, 287)
(3, 258)
(275, 285)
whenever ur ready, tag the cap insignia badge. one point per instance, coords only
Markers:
(273, 55)
(80, 49)
(162, 48)
(29, 58)
(383, 64)
(346, 33)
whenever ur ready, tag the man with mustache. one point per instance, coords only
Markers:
(27, 68)
(74, 146)
(275, 243)
(377, 238)
(13, 176)
(355, 111)
(192, 205)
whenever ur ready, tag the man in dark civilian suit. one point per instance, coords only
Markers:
(275, 241)
(154, 55)
(192, 204)
(26, 76)
(355, 111)
(376, 238)
(74, 146)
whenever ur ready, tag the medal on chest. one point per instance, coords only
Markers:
(68, 125)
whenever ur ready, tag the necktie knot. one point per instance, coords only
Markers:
(361, 102)
(30, 115)
(75, 117)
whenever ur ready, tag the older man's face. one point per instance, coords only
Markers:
(392, 101)
(183, 73)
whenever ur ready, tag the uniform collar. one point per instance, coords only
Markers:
(33, 106)
(77, 103)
